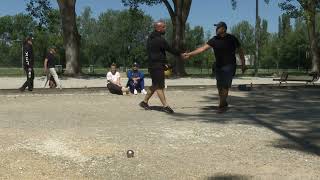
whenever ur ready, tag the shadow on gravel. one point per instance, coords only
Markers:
(292, 113)
(229, 177)
(156, 108)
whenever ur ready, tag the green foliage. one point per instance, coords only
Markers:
(40, 10)
(115, 36)
(245, 33)
(13, 29)
(289, 49)
(19, 26)
(135, 3)
(120, 36)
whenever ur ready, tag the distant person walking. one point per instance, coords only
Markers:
(49, 64)
(28, 62)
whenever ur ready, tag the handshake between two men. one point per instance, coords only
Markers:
(223, 58)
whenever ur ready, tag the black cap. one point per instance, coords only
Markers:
(221, 24)
(135, 64)
(29, 37)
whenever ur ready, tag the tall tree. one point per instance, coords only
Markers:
(279, 27)
(87, 29)
(308, 9)
(286, 27)
(257, 33)
(71, 37)
(264, 37)
(179, 12)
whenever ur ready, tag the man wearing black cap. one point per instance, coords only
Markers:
(28, 61)
(136, 80)
(49, 65)
(156, 49)
(225, 47)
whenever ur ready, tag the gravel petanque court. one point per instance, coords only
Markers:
(266, 134)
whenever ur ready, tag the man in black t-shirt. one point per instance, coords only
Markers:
(49, 65)
(28, 61)
(156, 49)
(225, 47)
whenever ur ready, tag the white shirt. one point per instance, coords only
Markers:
(113, 77)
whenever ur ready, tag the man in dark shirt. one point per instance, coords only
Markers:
(28, 62)
(156, 49)
(225, 47)
(49, 65)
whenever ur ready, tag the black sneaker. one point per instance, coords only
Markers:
(144, 105)
(168, 110)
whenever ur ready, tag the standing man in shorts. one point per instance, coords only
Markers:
(225, 47)
(156, 49)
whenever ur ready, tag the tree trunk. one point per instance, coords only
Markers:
(178, 43)
(179, 15)
(311, 22)
(71, 37)
(257, 37)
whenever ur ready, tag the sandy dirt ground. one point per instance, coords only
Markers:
(16, 82)
(266, 134)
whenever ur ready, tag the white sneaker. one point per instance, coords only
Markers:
(144, 92)
(135, 92)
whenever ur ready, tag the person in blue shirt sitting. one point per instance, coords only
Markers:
(136, 80)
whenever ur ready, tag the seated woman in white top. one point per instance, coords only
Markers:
(113, 81)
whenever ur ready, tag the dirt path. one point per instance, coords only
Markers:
(265, 135)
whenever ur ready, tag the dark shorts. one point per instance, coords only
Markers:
(224, 75)
(157, 76)
(114, 89)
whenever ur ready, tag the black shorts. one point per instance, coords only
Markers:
(114, 89)
(157, 76)
(224, 75)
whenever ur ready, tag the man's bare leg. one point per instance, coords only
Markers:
(223, 95)
(149, 94)
(162, 97)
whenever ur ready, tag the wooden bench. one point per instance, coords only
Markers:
(309, 79)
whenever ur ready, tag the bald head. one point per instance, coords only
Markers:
(160, 26)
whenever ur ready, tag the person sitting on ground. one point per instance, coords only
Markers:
(113, 81)
(136, 80)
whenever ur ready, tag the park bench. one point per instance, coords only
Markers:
(309, 79)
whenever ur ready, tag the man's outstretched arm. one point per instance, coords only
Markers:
(197, 51)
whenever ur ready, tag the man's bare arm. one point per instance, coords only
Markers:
(242, 58)
(197, 51)
(45, 65)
